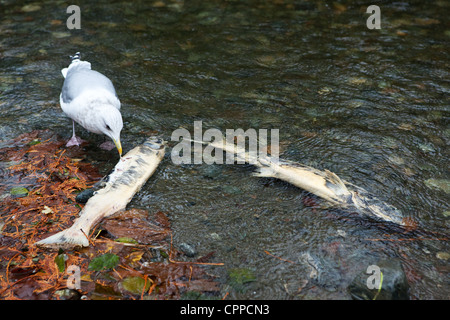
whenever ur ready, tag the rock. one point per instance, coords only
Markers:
(215, 236)
(187, 249)
(60, 35)
(211, 172)
(443, 255)
(325, 90)
(427, 147)
(31, 7)
(231, 189)
(394, 159)
(67, 294)
(394, 285)
(85, 195)
(240, 277)
(321, 271)
(442, 184)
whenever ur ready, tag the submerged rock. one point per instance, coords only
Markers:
(393, 284)
(67, 294)
(443, 255)
(31, 7)
(187, 249)
(442, 184)
(240, 277)
(85, 195)
(321, 271)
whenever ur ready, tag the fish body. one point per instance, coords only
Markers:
(127, 178)
(324, 184)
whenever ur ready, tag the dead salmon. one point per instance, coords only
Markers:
(324, 184)
(127, 178)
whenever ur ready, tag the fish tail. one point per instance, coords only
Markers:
(65, 239)
(75, 59)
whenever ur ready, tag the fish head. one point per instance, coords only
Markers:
(376, 208)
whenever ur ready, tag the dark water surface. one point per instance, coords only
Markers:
(369, 105)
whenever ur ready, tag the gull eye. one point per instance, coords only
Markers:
(108, 128)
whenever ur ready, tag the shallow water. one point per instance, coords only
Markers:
(369, 105)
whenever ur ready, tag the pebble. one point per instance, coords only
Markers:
(357, 81)
(325, 90)
(341, 233)
(158, 4)
(31, 8)
(442, 184)
(214, 236)
(427, 147)
(394, 159)
(67, 294)
(390, 142)
(187, 249)
(60, 35)
(443, 255)
(405, 126)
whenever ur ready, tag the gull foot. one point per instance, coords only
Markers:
(74, 141)
(108, 145)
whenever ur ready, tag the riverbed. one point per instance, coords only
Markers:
(370, 105)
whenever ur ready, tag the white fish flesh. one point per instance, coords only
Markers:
(127, 178)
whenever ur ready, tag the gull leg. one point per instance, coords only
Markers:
(74, 141)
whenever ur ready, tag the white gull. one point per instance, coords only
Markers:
(89, 98)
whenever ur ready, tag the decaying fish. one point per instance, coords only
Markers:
(127, 178)
(324, 184)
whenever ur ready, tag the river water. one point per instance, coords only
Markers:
(370, 105)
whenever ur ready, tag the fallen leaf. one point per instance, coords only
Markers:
(60, 261)
(47, 210)
(103, 262)
(133, 258)
(134, 224)
(136, 284)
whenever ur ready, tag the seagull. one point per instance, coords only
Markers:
(89, 98)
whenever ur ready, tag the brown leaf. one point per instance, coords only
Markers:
(134, 224)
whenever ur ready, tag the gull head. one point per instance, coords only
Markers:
(109, 122)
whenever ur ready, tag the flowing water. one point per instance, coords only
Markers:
(369, 105)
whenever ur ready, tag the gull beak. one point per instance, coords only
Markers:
(118, 146)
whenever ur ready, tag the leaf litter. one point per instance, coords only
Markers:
(130, 256)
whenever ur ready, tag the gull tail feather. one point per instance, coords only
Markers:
(65, 239)
(77, 56)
